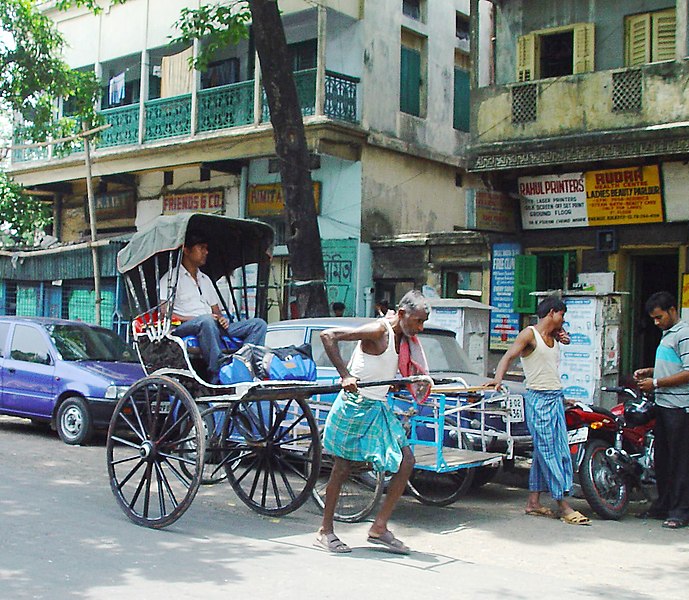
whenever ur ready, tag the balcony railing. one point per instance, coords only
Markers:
(219, 108)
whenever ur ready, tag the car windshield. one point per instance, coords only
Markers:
(76, 342)
(444, 354)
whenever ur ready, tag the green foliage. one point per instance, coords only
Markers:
(219, 25)
(22, 215)
(32, 73)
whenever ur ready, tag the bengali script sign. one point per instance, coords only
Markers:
(210, 201)
(504, 322)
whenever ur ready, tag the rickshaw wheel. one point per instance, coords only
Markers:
(213, 466)
(360, 494)
(272, 453)
(155, 449)
(439, 489)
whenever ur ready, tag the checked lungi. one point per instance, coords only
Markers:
(364, 430)
(551, 468)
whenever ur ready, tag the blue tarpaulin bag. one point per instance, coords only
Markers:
(235, 370)
(294, 367)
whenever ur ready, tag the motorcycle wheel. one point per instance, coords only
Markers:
(604, 489)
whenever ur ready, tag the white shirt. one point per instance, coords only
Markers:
(191, 300)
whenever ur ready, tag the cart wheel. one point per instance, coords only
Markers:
(439, 489)
(272, 454)
(155, 450)
(360, 493)
(213, 469)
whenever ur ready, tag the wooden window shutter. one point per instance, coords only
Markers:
(663, 25)
(584, 48)
(410, 81)
(462, 102)
(524, 283)
(527, 51)
(637, 39)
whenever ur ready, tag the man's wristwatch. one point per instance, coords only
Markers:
(655, 383)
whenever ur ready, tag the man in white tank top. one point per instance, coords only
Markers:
(551, 469)
(360, 426)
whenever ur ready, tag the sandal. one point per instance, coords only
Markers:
(388, 540)
(331, 543)
(541, 511)
(675, 523)
(575, 518)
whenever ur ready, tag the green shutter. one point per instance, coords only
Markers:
(525, 283)
(461, 112)
(410, 81)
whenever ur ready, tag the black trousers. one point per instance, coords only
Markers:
(672, 462)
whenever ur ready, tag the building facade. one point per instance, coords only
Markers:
(384, 88)
(584, 127)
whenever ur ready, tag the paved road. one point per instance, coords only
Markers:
(63, 536)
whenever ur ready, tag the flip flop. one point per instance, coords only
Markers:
(541, 511)
(388, 540)
(575, 518)
(331, 543)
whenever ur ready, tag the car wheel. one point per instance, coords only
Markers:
(74, 423)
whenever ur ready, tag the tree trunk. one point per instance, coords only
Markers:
(303, 236)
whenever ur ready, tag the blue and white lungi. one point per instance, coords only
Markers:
(551, 469)
(364, 430)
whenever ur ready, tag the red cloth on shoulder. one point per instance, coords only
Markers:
(412, 361)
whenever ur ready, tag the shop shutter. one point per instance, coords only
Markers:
(410, 81)
(462, 104)
(583, 48)
(637, 40)
(527, 57)
(663, 35)
(525, 283)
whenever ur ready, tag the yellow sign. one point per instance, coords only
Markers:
(210, 202)
(624, 196)
(267, 200)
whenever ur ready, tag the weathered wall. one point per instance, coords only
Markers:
(519, 17)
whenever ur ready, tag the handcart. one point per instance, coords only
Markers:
(445, 448)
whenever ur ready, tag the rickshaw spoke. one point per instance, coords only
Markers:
(131, 426)
(291, 468)
(122, 483)
(180, 476)
(256, 477)
(170, 429)
(248, 470)
(283, 476)
(163, 478)
(137, 413)
(139, 487)
(267, 473)
(124, 442)
(147, 496)
(120, 461)
(274, 483)
(182, 441)
(161, 496)
(178, 458)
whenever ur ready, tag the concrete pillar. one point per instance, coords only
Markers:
(474, 43)
(195, 87)
(320, 60)
(145, 73)
(682, 14)
(258, 91)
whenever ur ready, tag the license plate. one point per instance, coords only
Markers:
(576, 436)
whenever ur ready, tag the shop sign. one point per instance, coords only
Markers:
(211, 201)
(596, 198)
(339, 260)
(504, 322)
(490, 211)
(684, 311)
(579, 359)
(268, 199)
(113, 205)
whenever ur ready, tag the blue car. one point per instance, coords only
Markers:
(67, 374)
(446, 359)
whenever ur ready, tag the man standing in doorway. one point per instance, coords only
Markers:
(360, 425)
(539, 349)
(669, 379)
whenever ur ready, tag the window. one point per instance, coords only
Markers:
(555, 52)
(220, 73)
(411, 81)
(649, 37)
(541, 272)
(4, 330)
(462, 283)
(461, 113)
(412, 8)
(29, 345)
(462, 30)
(304, 54)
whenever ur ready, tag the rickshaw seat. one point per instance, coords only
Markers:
(232, 344)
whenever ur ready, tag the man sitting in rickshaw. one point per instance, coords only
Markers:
(197, 307)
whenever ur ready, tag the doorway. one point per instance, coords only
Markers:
(650, 273)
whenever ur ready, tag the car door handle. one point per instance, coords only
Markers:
(12, 370)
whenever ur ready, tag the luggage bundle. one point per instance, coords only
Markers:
(251, 362)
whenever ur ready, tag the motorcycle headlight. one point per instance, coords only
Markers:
(115, 392)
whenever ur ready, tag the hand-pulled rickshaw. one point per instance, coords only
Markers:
(260, 435)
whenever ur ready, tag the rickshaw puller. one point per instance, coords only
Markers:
(197, 307)
(360, 426)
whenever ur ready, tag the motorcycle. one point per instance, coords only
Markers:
(613, 450)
